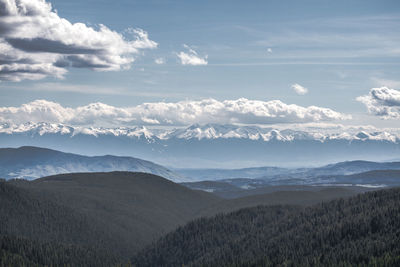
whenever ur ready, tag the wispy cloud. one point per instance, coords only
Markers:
(331, 38)
(191, 57)
(35, 43)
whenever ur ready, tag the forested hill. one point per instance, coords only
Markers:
(129, 209)
(101, 219)
(35, 231)
(364, 230)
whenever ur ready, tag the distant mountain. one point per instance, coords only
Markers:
(262, 174)
(352, 167)
(221, 174)
(242, 188)
(360, 231)
(212, 145)
(303, 179)
(34, 162)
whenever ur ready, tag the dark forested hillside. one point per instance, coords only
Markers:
(120, 211)
(37, 231)
(364, 230)
(32, 215)
(94, 219)
(17, 251)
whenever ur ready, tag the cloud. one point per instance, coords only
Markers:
(159, 61)
(269, 50)
(300, 90)
(191, 57)
(383, 102)
(241, 111)
(35, 43)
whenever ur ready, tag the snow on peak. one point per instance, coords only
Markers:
(213, 131)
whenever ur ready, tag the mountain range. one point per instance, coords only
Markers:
(232, 146)
(268, 173)
(35, 162)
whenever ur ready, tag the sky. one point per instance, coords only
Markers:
(181, 62)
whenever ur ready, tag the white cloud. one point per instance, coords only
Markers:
(35, 42)
(241, 111)
(383, 101)
(159, 61)
(191, 57)
(269, 50)
(300, 90)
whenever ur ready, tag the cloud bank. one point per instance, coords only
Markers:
(191, 57)
(35, 43)
(383, 102)
(300, 90)
(241, 111)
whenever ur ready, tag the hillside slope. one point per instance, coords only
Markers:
(118, 212)
(36, 230)
(364, 229)
(131, 208)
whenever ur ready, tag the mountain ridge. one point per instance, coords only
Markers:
(231, 145)
(210, 131)
(31, 162)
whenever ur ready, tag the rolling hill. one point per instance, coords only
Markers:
(114, 214)
(363, 230)
(125, 210)
(34, 162)
(131, 208)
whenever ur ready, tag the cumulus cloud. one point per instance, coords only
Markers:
(204, 111)
(383, 101)
(300, 90)
(35, 42)
(191, 57)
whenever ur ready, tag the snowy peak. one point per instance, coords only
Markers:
(213, 131)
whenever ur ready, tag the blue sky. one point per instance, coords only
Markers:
(257, 50)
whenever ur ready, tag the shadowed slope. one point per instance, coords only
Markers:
(133, 208)
(364, 229)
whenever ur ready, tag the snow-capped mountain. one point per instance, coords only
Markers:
(214, 145)
(212, 131)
